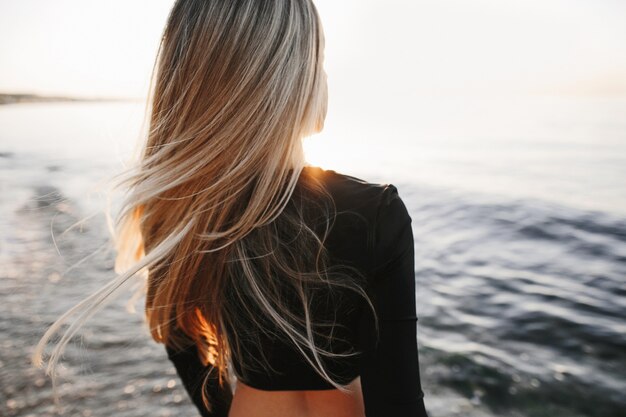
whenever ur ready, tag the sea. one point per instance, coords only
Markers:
(518, 209)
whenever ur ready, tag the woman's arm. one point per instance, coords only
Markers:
(192, 373)
(390, 377)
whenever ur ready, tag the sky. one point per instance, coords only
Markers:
(390, 48)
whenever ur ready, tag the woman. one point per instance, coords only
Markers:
(278, 288)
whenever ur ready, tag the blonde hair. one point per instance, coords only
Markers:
(210, 203)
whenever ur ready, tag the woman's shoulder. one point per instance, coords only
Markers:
(352, 192)
(372, 215)
(379, 205)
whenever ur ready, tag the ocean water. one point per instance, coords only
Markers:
(519, 217)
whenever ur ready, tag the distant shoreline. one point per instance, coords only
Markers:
(8, 98)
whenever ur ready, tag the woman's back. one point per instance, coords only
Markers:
(370, 232)
(251, 402)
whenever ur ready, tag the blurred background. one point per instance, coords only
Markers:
(501, 122)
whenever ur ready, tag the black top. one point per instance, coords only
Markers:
(372, 231)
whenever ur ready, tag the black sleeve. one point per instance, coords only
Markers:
(192, 373)
(389, 367)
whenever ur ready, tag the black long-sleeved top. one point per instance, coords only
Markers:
(372, 232)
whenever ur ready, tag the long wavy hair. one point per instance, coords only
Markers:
(216, 201)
